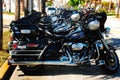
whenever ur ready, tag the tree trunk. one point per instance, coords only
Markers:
(110, 4)
(17, 9)
(118, 4)
(9, 5)
(38, 5)
(32, 6)
(1, 26)
(43, 6)
(26, 7)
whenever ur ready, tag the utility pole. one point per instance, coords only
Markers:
(17, 9)
(1, 26)
(26, 7)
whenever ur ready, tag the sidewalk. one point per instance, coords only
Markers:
(114, 24)
(6, 21)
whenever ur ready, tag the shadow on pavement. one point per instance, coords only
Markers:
(91, 71)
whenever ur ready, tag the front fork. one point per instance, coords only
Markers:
(101, 56)
(103, 41)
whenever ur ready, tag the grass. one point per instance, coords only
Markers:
(3, 53)
(12, 13)
(111, 14)
(9, 13)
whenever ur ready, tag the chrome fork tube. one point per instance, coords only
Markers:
(97, 49)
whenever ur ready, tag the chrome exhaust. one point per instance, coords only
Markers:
(11, 61)
(62, 63)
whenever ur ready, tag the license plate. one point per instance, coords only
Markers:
(25, 31)
(22, 47)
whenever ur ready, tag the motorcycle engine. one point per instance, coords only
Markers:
(77, 46)
(78, 54)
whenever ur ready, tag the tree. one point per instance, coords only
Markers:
(25, 7)
(75, 2)
(118, 6)
(17, 9)
(9, 5)
(38, 1)
(42, 5)
(1, 26)
(110, 4)
(49, 3)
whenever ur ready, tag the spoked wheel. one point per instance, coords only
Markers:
(111, 62)
(30, 69)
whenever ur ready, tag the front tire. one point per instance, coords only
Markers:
(111, 62)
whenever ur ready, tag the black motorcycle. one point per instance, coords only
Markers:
(34, 47)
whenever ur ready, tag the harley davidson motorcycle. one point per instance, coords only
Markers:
(32, 47)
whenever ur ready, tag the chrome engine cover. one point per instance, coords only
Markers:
(77, 46)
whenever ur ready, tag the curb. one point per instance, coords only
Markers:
(4, 69)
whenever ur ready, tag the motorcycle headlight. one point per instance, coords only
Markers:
(75, 16)
(93, 25)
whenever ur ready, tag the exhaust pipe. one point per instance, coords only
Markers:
(62, 63)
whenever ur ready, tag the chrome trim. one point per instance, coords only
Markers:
(65, 63)
(69, 57)
(96, 45)
(25, 51)
(24, 54)
(41, 53)
(14, 52)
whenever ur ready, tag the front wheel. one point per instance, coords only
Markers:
(111, 62)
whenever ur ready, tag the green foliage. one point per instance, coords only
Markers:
(49, 3)
(105, 7)
(75, 3)
(9, 13)
(3, 54)
(111, 14)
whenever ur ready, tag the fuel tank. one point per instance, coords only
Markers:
(76, 35)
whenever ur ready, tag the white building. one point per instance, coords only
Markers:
(59, 3)
(10, 5)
